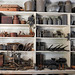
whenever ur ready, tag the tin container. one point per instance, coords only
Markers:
(59, 21)
(62, 6)
(28, 5)
(64, 19)
(68, 6)
(42, 44)
(50, 21)
(45, 20)
(40, 5)
(55, 21)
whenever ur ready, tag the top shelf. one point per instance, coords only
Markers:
(31, 12)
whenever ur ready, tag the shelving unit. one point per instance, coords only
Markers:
(34, 39)
(49, 40)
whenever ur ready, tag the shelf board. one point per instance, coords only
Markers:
(16, 37)
(32, 12)
(14, 25)
(14, 51)
(51, 51)
(36, 12)
(72, 51)
(51, 38)
(51, 13)
(45, 25)
(72, 26)
(46, 71)
(72, 38)
(72, 13)
(17, 13)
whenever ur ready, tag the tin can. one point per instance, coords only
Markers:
(28, 5)
(50, 21)
(45, 20)
(55, 21)
(40, 5)
(68, 6)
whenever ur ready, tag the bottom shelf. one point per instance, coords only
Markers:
(46, 71)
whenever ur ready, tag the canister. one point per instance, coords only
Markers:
(28, 5)
(37, 32)
(40, 5)
(38, 47)
(59, 21)
(42, 46)
(45, 20)
(34, 5)
(37, 20)
(62, 6)
(55, 21)
(68, 6)
(64, 19)
(50, 21)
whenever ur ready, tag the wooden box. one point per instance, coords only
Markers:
(1, 60)
(9, 9)
(6, 20)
